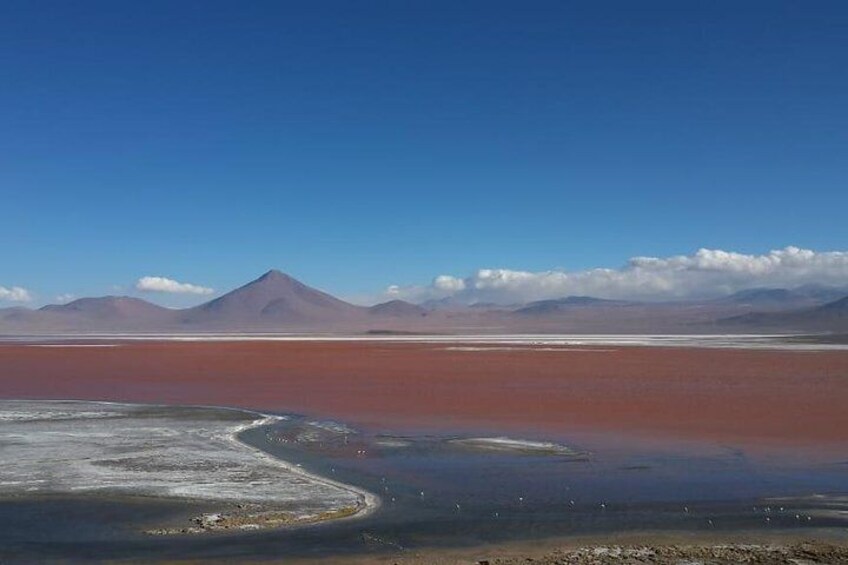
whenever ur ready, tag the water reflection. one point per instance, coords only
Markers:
(459, 490)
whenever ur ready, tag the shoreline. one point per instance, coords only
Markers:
(245, 514)
(370, 502)
(367, 544)
(631, 548)
(251, 517)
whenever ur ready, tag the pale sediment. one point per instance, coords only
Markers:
(511, 445)
(70, 447)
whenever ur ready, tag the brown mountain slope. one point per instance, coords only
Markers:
(105, 313)
(109, 308)
(274, 299)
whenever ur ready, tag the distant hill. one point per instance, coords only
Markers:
(761, 296)
(822, 293)
(837, 308)
(274, 301)
(832, 316)
(397, 308)
(106, 313)
(275, 298)
(278, 302)
(14, 310)
(109, 308)
(783, 298)
(447, 303)
(545, 307)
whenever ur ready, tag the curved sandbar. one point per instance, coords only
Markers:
(73, 447)
(517, 446)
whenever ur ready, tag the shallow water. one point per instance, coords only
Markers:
(471, 495)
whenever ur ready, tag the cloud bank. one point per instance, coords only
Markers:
(163, 284)
(15, 294)
(706, 273)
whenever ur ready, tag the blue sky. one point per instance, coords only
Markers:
(362, 144)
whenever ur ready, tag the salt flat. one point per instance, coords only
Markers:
(126, 449)
(542, 342)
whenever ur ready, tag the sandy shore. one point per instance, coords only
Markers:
(744, 397)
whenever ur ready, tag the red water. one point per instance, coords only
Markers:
(743, 397)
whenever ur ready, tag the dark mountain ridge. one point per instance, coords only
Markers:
(784, 298)
(832, 316)
(397, 308)
(557, 305)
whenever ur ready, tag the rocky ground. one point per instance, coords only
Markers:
(252, 517)
(802, 553)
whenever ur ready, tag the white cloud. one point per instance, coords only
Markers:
(62, 298)
(441, 286)
(707, 272)
(163, 284)
(448, 283)
(15, 294)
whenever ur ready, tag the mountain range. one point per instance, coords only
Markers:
(276, 302)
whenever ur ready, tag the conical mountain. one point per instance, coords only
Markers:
(274, 299)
